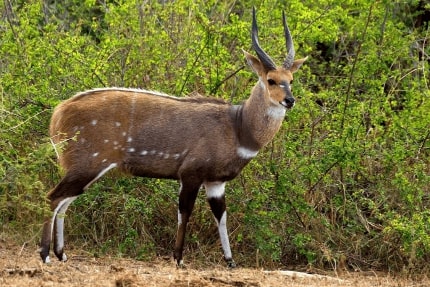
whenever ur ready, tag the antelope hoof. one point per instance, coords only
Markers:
(46, 260)
(44, 254)
(180, 264)
(61, 255)
(231, 264)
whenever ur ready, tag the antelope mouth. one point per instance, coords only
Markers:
(287, 105)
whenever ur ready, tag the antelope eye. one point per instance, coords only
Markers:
(271, 82)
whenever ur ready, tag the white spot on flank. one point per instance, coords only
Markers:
(176, 155)
(115, 142)
(166, 156)
(144, 152)
(152, 152)
(104, 160)
(106, 141)
(129, 139)
(118, 124)
(160, 153)
(132, 149)
(214, 189)
(95, 154)
(124, 134)
(246, 153)
(93, 122)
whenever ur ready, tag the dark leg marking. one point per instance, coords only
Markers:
(187, 197)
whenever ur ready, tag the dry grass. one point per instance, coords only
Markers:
(22, 267)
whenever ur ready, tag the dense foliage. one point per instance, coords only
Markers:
(345, 184)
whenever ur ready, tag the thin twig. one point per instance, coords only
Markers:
(354, 64)
(214, 89)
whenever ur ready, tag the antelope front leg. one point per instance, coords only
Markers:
(216, 198)
(46, 241)
(187, 198)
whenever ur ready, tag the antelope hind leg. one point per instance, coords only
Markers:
(216, 197)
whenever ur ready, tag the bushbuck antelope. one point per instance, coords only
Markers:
(196, 140)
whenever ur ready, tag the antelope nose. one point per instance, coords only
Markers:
(288, 102)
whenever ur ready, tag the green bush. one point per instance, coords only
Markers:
(345, 180)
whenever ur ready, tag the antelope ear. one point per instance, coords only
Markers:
(254, 63)
(297, 64)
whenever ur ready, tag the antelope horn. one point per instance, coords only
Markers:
(264, 58)
(288, 63)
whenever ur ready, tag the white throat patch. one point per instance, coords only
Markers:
(246, 153)
(276, 112)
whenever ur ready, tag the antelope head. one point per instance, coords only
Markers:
(275, 80)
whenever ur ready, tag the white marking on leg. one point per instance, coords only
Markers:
(179, 212)
(223, 235)
(179, 218)
(214, 189)
(47, 259)
(54, 214)
(246, 153)
(59, 220)
(111, 166)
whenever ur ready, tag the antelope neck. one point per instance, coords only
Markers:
(244, 134)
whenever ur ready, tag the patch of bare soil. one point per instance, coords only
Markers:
(23, 267)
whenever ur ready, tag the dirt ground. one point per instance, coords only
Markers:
(21, 266)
